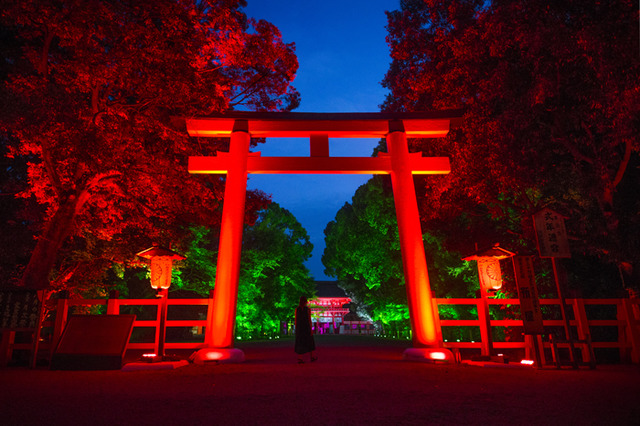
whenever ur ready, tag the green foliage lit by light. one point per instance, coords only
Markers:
(392, 313)
(198, 271)
(273, 275)
(363, 252)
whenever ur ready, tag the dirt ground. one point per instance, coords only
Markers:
(357, 380)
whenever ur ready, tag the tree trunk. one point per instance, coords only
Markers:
(44, 256)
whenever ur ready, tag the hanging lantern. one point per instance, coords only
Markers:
(488, 261)
(490, 274)
(161, 272)
(161, 265)
(489, 266)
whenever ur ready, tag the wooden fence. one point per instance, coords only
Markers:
(622, 314)
(622, 317)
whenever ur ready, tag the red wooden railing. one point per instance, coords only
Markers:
(627, 321)
(113, 308)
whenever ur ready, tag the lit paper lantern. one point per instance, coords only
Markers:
(161, 265)
(490, 274)
(161, 272)
(489, 266)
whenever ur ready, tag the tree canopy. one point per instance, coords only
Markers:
(552, 113)
(95, 94)
(20, 217)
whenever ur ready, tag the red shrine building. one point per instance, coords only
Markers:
(329, 307)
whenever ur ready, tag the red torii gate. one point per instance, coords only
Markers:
(319, 127)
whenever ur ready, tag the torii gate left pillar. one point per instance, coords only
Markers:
(399, 163)
(221, 324)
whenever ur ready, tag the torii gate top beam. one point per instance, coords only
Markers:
(318, 127)
(430, 124)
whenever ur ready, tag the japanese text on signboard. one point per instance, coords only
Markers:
(551, 234)
(18, 309)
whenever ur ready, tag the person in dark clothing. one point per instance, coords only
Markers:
(304, 336)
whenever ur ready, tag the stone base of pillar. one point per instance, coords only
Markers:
(217, 355)
(435, 355)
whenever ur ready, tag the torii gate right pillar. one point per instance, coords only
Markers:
(426, 336)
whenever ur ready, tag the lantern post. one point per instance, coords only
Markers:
(490, 281)
(161, 268)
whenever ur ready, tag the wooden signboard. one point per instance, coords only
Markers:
(551, 234)
(93, 342)
(528, 294)
(19, 309)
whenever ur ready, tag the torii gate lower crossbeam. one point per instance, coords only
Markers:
(399, 163)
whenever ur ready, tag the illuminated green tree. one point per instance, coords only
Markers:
(273, 274)
(197, 272)
(362, 243)
(363, 253)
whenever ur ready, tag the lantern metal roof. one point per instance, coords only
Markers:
(493, 252)
(158, 251)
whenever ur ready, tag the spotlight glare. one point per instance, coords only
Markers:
(214, 356)
(438, 355)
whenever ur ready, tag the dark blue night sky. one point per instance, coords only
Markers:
(343, 57)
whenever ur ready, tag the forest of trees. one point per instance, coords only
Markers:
(551, 100)
(94, 146)
(94, 96)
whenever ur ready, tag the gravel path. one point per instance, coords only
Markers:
(357, 380)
